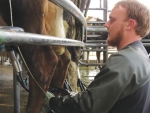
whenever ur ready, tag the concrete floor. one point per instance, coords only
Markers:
(7, 93)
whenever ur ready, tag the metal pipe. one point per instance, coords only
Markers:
(20, 38)
(97, 9)
(97, 29)
(83, 3)
(96, 22)
(69, 6)
(87, 6)
(15, 62)
(96, 41)
(105, 12)
(16, 87)
(145, 40)
(146, 44)
(94, 50)
(95, 45)
(83, 32)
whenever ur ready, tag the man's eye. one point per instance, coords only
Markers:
(111, 20)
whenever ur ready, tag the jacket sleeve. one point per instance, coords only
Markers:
(111, 84)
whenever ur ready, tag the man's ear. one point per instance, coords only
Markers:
(131, 24)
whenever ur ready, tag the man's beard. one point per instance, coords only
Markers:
(115, 41)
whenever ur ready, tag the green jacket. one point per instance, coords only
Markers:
(124, 73)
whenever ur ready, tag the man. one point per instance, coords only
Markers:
(123, 84)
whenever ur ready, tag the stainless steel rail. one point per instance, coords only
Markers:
(97, 29)
(20, 38)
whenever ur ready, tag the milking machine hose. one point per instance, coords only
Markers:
(81, 85)
(67, 86)
(19, 77)
(16, 65)
(60, 90)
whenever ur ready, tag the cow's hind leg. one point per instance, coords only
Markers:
(43, 65)
(61, 71)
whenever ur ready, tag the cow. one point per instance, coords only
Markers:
(47, 64)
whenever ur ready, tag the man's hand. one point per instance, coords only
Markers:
(46, 108)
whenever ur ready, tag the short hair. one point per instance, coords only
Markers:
(140, 13)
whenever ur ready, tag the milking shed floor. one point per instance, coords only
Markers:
(6, 87)
(6, 91)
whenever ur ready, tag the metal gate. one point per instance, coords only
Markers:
(92, 43)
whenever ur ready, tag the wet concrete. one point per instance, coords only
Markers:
(88, 73)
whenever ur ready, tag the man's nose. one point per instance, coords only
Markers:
(106, 25)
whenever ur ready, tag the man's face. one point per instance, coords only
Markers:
(115, 26)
